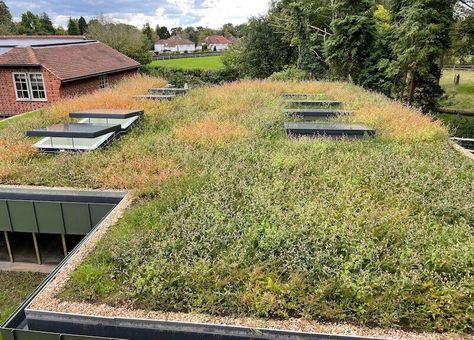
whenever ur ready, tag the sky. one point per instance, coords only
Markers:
(170, 13)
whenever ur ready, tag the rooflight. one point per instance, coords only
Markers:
(302, 129)
(96, 128)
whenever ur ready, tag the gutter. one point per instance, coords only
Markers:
(70, 80)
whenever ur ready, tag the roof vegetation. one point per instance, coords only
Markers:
(234, 219)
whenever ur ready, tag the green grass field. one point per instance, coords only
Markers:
(203, 63)
(232, 218)
(14, 288)
(459, 97)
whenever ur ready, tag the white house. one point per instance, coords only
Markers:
(175, 44)
(217, 43)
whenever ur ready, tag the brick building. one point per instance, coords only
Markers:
(37, 71)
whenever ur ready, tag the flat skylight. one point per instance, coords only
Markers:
(328, 129)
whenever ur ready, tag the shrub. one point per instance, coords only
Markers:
(290, 73)
(179, 77)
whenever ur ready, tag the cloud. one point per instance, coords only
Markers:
(171, 13)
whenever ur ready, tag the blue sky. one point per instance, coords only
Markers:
(171, 13)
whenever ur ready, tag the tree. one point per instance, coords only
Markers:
(149, 34)
(463, 38)
(176, 31)
(352, 40)
(258, 54)
(29, 24)
(192, 34)
(6, 22)
(203, 33)
(421, 37)
(61, 31)
(304, 26)
(82, 24)
(162, 32)
(46, 25)
(124, 38)
(73, 27)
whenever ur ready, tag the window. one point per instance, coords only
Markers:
(104, 82)
(37, 86)
(21, 86)
(29, 86)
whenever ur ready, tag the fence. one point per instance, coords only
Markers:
(186, 55)
(466, 67)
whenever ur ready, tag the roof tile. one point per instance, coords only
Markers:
(69, 62)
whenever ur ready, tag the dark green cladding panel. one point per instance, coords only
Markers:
(29, 335)
(22, 216)
(49, 216)
(9, 334)
(4, 218)
(6, 334)
(99, 211)
(77, 218)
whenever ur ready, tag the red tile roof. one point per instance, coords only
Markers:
(174, 41)
(69, 62)
(217, 39)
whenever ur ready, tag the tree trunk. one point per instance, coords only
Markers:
(403, 84)
(411, 92)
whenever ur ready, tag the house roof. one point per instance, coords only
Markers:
(217, 39)
(70, 62)
(174, 41)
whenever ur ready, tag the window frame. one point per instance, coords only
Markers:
(104, 82)
(29, 87)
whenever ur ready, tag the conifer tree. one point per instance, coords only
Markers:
(45, 25)
(73, 27)
(6, 23)
(82, 24)
(352, 39)
(421, 36)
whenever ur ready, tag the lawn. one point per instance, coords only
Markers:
(459, 97)
(234, 219)
(15, 288)
(202, 63)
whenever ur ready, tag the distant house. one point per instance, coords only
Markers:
(37, 71)
(175, 44)
(217, 43)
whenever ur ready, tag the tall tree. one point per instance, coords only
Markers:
(29, 24)
(73, 27)
(149, 34)
(421, 37)
(46, 25)
(304, 25)
(6, 22)
(352, 40)
(259, 53)
(125, 38)
(191, 33)
(176, 30)
(163, 32)
(82, 24)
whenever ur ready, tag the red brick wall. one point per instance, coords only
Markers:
(54, 90)
(92, 84)
(8, 103)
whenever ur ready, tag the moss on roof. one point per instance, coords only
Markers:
(235, 219)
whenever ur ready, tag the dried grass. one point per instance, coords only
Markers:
(117, 97)
(210, 132)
